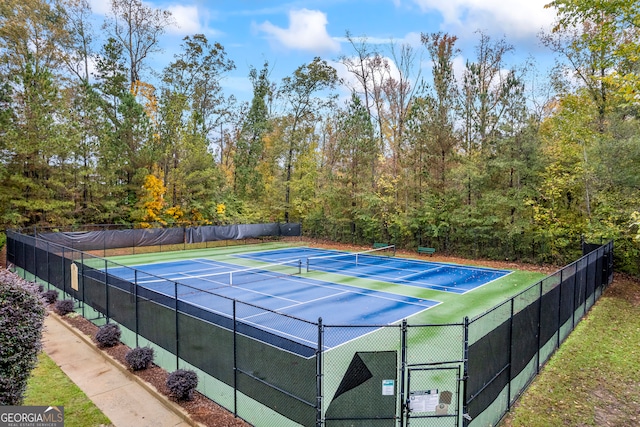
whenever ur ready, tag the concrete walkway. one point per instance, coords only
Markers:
(120, 395)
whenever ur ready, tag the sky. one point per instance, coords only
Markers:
(290, 34)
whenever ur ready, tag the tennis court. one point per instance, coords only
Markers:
(458, 279)
(280, 287)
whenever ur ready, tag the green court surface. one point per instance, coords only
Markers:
(452, 308)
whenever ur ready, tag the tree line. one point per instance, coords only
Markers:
(495, 161)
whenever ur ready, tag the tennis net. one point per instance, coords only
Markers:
(254, 274)
(346, 260)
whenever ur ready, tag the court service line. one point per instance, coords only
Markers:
(264, 293)
(314, 300)
(414, 273)
(183, 276)
(279, 332)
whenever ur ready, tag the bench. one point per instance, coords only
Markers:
(380, 245)
(426, 251)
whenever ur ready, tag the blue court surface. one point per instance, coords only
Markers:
(432, 275)
(272, 287)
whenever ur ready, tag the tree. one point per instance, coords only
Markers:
(79, 44)
(589, 50)
(370, 70)
(486, 92)
(31, 35)
(399, 93)
(191, 99)
(299, 94)
(196, 74)
(151, 202)
(250, 145)
(137, 27)
(563, 204)
(356, 152)
(442, 103)
(125, 135)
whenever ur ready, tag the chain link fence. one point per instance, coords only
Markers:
(466, 373)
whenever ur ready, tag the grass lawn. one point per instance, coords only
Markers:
(592, 380)
(49, 386)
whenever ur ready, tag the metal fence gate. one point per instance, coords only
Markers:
(433, 406)
(434, 375)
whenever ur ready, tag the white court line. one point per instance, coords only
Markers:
(183, 276)
(263, 293)
(299, 303)
(415, 273)
(353, 290)
(279, 332)
(276, 332)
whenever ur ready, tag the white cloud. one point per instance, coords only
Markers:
(100, 7)
(378, 75)
(411, 39)
(307, 31)
(518, 18)
(186, 18)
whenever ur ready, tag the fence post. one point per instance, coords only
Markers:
(83, 282)
(465, 373)
(575, 290)
(48, 268)
(106, 288)
(24, 263)
(592, 297)
(135, 304)
(64, 272)
(175, 296)
(235, 361)
(539, 326)
(510, 354)
(560, 307)
(319, 378)
(35, 259)
(403, 370)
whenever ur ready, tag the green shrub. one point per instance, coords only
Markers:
(22, 313)
(108, 335)
(50, 296)
(64, 307)
(182, 383)
(139, 358)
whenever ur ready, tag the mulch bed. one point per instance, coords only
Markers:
(200, 408)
